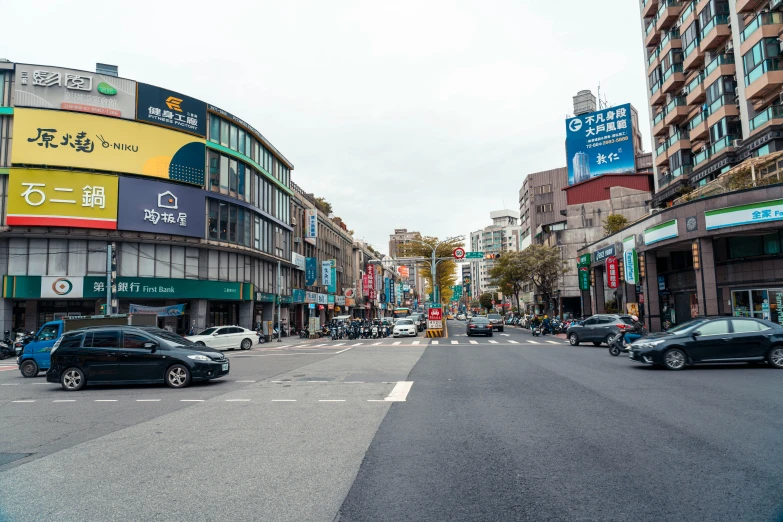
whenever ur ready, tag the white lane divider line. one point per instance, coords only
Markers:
(353, 382)
(105, 400)
(376, 400)
(506, 335)
(22, 401)
(396, 343)
(357, 344)
(534, 342)
(414, 343)
(283, 400)
(553, 342)
(513, 342)
(331, 400)
(65, 400)
(338, 344)
(400, 391)
(277, 381)
(245, 381)
(454, 342)
(10, 384)
(191, 400)
(237, 400)
(317, 345)
(343, 350)
(321, 381)
(147, 400)
(473, 342)
(492, 342)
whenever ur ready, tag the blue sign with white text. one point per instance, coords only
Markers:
(311, 271)
(600, 142)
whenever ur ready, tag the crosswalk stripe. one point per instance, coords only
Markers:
(415, 342)
(454, 342)
(396, 343)
(534, 342)
(506, 335)
(434, 342)
(338, 344)
(513, 342)
(357, 344)
(375, 344)
(493, 342)
(473, 342)
(553, 342)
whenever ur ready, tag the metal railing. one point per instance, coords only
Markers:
(761, 19)
(771, 113)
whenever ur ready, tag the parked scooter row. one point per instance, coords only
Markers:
(13, 344)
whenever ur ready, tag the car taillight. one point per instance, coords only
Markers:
(472, 326)
(622, 326)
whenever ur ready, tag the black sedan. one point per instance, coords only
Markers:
(716, 340)
(131, 355)
(479, 325)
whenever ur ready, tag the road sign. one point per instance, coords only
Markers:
(435, 314)
(459, 253)
(474, 255)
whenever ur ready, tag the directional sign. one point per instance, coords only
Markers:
(459, 253)
(474, 255)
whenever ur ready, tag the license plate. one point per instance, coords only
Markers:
(225, 366)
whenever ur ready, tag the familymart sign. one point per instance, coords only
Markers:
(744, 214)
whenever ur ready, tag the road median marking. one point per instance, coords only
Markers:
(492, 342)
(22, 401)
(513, 342)
(105, 400)
(400, 391)
(283, 400)
(553, 342)
(237, 400)
(331, 400)
(147, 400)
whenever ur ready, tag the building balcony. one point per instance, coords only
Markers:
(671, 40)
(722, 146)
(687, 15)
(771, 116)
(765, 78)
(765, 25)
(673, 79)
(652, 36)
(659, 128)
(722, 65)
(698, 128)
(721, 108)
(693, 57)
(653, 61)
(657, 96)
(677, 142)
(702, 156)
(668, 13)
(747, 6)
(695, 89)
(716, 32)
(676, 111)
(661, 158)
(649, 7)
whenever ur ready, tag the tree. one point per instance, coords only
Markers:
(446, 271)
(614, 223)
(324, 206)
(485, 300)
(545, 268)
(510, 273)
(474, 303)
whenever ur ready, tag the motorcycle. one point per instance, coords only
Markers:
(304, 333)
(618, 344)
(375, 331)
(335, 333)
(261, 337)
(536, 331)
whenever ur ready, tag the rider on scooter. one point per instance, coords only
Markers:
(635, 332)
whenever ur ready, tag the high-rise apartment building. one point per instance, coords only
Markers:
(502, 236)
(581, 167)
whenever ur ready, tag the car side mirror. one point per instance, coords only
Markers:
(696, 334)
(214, 334)
(151, 346)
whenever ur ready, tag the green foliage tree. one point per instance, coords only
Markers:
(545, 268)
(446, 271)
(323, 205)
(614, 223)
(510, 273)
(485, 300)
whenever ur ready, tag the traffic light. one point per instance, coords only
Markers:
(492, 256)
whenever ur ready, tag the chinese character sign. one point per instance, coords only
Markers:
(311, 225)
(326, 273)
(171, 109)
(584, 278)
(629, 259)
(165, 208)
(311, 271)
(612, 272)
(742, 215)
(46, 87)
(69, 139)
(54, 198)
(370, 286)
(599, 143)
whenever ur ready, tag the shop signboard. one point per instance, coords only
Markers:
(330, 299)
(162, 288)
(311, 271)
(326, 273)
(311, 297)
(630, 260)
(387, 284)
(762, 212)
(53, 198)
(339, 300)
(265, 297)
(45, 87)
(404, 272)
(163, 208)
(68, 139)
(322, 299)
(311, 225)
(661, 282)
(350, 301)
(370, 286)
(583, 260)
(299, 260)
(286, 299)
(298, 295)
(364, 284)
(584, 278)
(604, 253)
(160, 311)
(600, 142)
(660, 232)
(53, 287)
(332, 277)
(171, 109)
(612, 272)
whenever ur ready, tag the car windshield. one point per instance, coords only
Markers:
(493, 316)
(208, 331)
(172, 338)
(479, 320)
(405, 321)
(693, 323)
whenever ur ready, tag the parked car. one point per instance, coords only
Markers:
(225, 338)
(479, 325)
(716, 340)
(405, 327)
(496, 320)
(598, 329)
(461, 317)
(131, 354)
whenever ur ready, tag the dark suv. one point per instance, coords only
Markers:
(131, 355)
(598, 329)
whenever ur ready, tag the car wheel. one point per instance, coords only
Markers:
(573, 339)
(200, 344)
(246, 344)
(178, 376)
(775, 357)
(72, 379)
(608, 339)
(29, 369)
(614, 350)
(674, 359)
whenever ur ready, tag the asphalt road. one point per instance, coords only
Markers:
(504, 428)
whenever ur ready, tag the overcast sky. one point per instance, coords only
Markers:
(424, 114)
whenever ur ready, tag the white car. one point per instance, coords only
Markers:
(405, 327)
(461, 317)
(226, 338)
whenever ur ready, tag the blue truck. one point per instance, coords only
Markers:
(36, 355)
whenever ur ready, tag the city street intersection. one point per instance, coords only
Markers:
(504, 428)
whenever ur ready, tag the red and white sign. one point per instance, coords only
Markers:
(459, 253)
(370, 288)
(612, 272)
(435, 314)
(404, 272)
(364, 284)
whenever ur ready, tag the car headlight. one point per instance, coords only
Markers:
(199, 357)
(647, 344)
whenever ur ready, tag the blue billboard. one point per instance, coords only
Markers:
(600, 142)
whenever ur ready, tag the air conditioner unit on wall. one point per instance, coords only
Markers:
(297, 240)
(293, 221)
(736, 143)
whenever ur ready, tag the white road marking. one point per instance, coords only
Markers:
(45, 383)
(105, 400)
(396, 343)
(147, 400)
(244, 381)
(278, 381)
(331, 400)
(237, 400)
(283, 400)
(492, 342)
(553, 342)
(65, 400)
(357, 344)
(376, 400)
(454, 342)
(473, 342)
(318, 345)
(353, 382)
(375, 344)
(400, 392)
(435, 342)
(22, 401)
(191, 400)
(507, 335)
(319, 381)
(338, 344)
(513, 342)
(10, 384)
(343, 350)
(415, 343)
(534, 342)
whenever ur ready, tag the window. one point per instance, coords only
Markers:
(107, 339)
(48, 333)
(214, 128)
(214, 169)
(241, 185)
(767, 48)
(224, 133)
(690, 35)
(544, 208)
(746, 326)
(71, 341)
(224, 174)
(213, 219)
(241, 140)
(132, 340)
(233, 143)
(223, 221)
(232, 177)
(714, 328)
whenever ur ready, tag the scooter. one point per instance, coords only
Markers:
(617, 345)
(335, 334)
(304, 333)
(536, 331)
(375, 331)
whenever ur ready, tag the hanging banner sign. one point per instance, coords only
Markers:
(160, 311)
(326, 273)
(332, 277)
(311, 271)
(584, 278)
(370, 286)
(311, 225)
(612, 272)
(630, 260)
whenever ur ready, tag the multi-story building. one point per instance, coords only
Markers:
(712, 246)
(502, 236)
(116, 190)
(415, 281)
